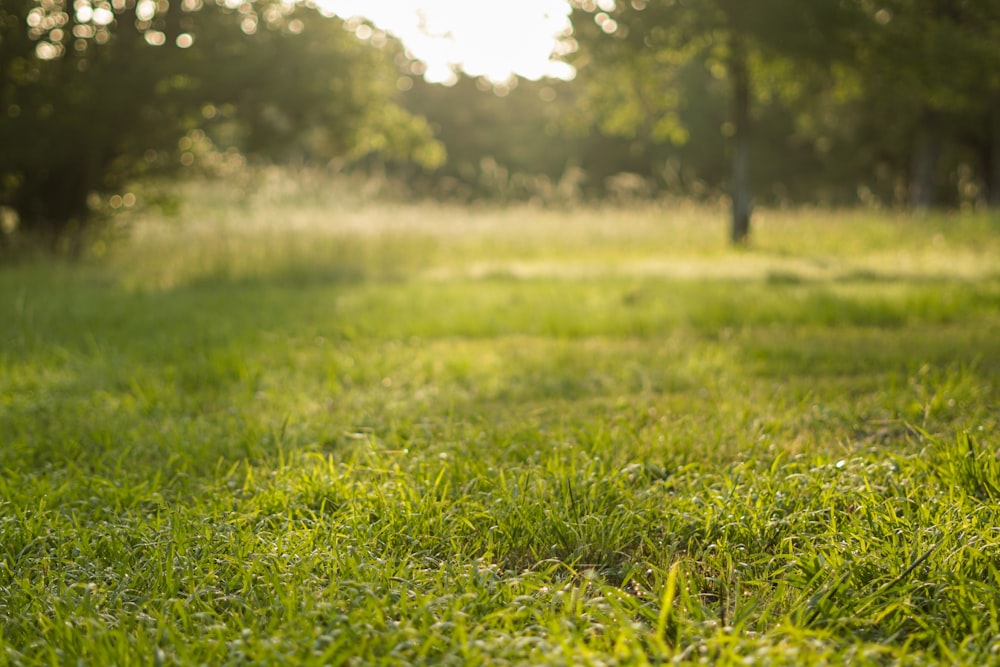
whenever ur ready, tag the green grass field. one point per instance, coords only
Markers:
(287, 430)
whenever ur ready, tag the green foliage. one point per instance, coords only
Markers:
(94, 97)
(330, 435)
(504, 142)
(641, 50)
(879, 102)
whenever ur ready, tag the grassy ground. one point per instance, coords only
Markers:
(286, 430)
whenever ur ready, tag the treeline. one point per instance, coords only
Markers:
(99, 96)
(837, 102)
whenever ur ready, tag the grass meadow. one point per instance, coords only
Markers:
(294, 427)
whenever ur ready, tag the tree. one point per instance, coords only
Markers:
(503, 140)
(927, 69)
(95, 94)
(640, 48)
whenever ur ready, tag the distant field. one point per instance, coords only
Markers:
(300, 428)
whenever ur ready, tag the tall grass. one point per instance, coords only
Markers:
(335, 432)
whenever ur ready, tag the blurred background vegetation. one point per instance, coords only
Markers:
(879, 103)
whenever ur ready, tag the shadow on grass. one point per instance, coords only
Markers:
(270, 260)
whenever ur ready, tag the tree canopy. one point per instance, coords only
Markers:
(878, 93)
(642, 50)
(96, 93)
(826, 101)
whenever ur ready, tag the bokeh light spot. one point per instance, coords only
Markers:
(103, 16)
(84, 14)
(145, 10)
(46, 51)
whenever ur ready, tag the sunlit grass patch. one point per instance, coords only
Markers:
(307, 226)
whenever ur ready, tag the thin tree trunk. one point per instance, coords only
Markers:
(923, 171)
(742, 195)
(993, 165)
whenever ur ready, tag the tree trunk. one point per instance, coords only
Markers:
(923, 171)
(51, 205)
(993, 163)
(741, 194)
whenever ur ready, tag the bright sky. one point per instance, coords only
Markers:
(490, 38)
